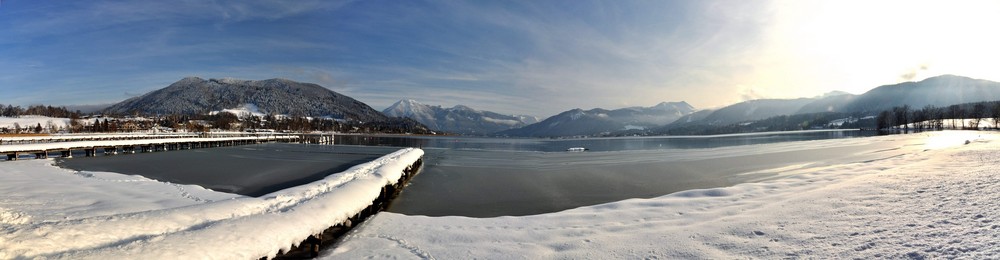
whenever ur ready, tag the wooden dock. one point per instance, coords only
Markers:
(316, 138)
(42, 147)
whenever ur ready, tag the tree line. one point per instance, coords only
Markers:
(40, 110)
(97, 123)
(961, 116)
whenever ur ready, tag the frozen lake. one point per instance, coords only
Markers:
(483, 177)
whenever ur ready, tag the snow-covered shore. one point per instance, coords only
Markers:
(49, 212)
(937, 198)
(940, 200)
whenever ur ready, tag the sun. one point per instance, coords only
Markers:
(858, 45)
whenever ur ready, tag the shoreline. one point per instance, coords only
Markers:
(937, 201)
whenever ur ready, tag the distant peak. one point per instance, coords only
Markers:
(672, 103)
(228, 80)
(405, 105)
(683, 105)
(462, 107)
(192, 78)
(947, 77)
(282, 80)
(834, 93)
(409, 102)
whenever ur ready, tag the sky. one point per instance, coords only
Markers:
(516, 57)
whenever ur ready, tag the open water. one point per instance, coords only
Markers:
(486, 177)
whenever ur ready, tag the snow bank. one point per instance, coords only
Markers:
(937, 200)
(139, 218)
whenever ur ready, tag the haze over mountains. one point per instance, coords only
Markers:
(938, 91)
(458, 119)
(194, 95)
(596, 121)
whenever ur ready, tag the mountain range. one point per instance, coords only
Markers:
(940, 91)
(597, 121)
(194, 95)
(458, 119)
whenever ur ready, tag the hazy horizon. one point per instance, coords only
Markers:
(534, 58)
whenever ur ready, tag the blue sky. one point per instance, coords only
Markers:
(524, 57)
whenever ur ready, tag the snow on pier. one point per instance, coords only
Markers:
(42, 146)
(176, 221)
(88, 137)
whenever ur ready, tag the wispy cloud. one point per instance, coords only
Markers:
(532, 57)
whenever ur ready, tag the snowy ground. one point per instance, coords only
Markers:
(937, 199)
(48, 212)
(941, 199)
(32, 121)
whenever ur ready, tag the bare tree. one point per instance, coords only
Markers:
(883, 120)
(978, 112)
(902, 115)
(934, 116)
(995, 115)
(954, 113)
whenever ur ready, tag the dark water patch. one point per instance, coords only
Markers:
(251, 170)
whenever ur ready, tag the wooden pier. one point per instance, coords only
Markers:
(41, 148)
(316, 138)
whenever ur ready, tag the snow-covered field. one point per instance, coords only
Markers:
(941, 200)
(32, 121)
(48, 212)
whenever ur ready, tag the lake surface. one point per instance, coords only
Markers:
(251, 170)
(595, 144)
(486, 177)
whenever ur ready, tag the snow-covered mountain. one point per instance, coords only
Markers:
(193, 95)
(756, 110)
(597, 121)
(938, 91)
(458, 119)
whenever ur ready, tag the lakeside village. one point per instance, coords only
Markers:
(39, 119)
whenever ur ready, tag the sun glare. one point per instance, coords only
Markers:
(948, 139)
(884, 42)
